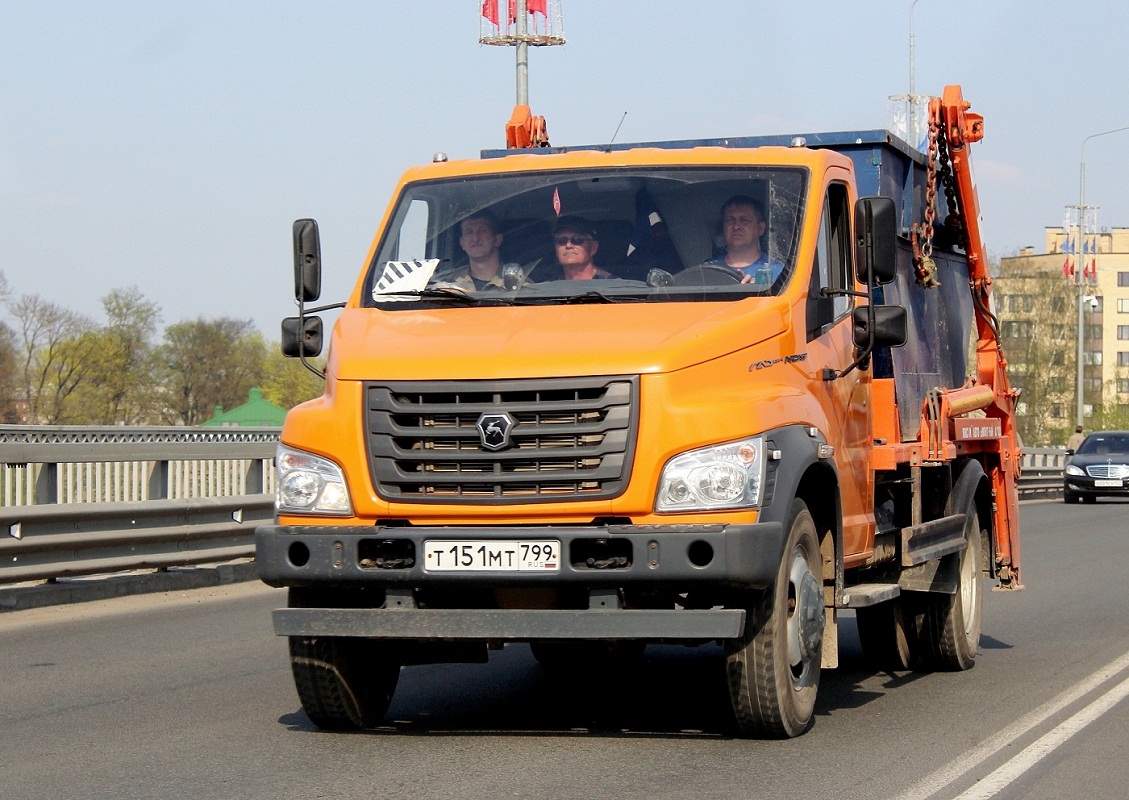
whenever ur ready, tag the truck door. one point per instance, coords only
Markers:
(830, 346)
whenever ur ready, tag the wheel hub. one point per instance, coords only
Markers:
(805, 625)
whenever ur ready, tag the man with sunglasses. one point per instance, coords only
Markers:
(575, 242)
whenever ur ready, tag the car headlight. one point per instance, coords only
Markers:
(1073, 470)
(309, 484)
(724, 476)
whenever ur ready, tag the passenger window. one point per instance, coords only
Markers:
(832, 268)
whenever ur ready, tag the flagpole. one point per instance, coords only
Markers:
(522, 55)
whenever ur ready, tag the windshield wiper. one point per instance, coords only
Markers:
(588, 297)
(435, 293)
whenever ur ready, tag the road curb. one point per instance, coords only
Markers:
(75, 590)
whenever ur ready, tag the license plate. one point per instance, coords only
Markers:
(516, 555)
(1104, 482)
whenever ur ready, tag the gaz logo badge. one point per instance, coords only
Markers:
(494, 430)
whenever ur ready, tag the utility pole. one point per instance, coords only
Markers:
(1078, 275)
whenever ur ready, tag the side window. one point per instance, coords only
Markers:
(832, 268)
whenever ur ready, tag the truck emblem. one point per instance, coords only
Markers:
(494, 430)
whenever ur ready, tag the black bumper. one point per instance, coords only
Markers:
(1084, 486)
(736, 556)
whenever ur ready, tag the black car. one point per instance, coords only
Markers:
(1099, 467)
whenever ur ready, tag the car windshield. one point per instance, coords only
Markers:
(647, 235)
(1100, 444)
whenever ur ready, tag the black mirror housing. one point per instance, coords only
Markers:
(307, 261)
(301, 337)
(889, 326)
(876, 233)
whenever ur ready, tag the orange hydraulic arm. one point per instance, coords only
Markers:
(954, 128)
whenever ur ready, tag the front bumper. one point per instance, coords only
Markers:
(720, 555)
(1084, 485)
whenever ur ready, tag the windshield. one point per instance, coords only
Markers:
(626, 235)
(1100, 444)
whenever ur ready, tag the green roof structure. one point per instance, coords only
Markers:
(255, 413)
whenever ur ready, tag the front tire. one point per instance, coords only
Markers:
(343, 683)
(773, 671)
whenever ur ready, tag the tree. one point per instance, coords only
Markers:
(50, 361)
(208, 363)
(1040, 343)
(286, 383)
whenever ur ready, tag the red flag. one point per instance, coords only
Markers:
(537, 6)
(490, 10)
(1094, 269)
(1066, 268)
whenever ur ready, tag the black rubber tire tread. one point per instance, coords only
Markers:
(342, 683)
(888, 634)
(948, 643)
(1069, 497)
(765, 703)
(1089, 498)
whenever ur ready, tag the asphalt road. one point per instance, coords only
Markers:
(189, 695)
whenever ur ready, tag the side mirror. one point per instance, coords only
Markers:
(301, 337)
(889, 326)
(307, 261)
(876, 235)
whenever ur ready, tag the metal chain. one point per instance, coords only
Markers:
(921, 236)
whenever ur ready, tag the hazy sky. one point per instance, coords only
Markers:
(169, 145)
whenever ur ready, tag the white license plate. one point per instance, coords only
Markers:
(1104, 482)
(516, 555)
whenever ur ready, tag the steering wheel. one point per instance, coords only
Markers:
(708, 275)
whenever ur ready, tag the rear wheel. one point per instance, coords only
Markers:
(888, 634)
(773, 671)
(951, 624)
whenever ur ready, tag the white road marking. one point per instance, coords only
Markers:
(1002, 777)
(937, 780)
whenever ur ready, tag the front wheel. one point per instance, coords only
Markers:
(773, 671)
(343, 683)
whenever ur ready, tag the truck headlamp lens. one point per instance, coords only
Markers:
(723, 476)
(309, 484)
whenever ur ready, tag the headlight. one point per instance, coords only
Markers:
(1073, 470)
(724, 476)
(309, 484)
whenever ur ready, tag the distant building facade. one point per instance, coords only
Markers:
(1036, 298)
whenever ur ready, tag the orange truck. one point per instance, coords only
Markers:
(683, 449)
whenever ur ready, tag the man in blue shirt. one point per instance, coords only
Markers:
(743, 225)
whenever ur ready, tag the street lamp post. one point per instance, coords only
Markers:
(1078, 272)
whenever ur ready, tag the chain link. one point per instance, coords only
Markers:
(921, 235)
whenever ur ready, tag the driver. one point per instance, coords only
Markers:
(743, 226)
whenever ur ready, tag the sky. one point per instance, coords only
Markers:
(169, 146)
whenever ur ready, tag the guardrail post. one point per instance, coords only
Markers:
(159, 480)
(47, 484)
(255, 480)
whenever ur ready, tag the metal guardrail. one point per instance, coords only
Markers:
(92, 500)
(1042, 472)
(84, 501)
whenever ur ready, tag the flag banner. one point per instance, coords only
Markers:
(403, 277)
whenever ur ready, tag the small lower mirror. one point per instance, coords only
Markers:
(300, 340)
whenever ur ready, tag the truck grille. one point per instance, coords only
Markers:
(572, 439)
(1108, 471)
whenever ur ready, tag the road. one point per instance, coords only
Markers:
(189, 696)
